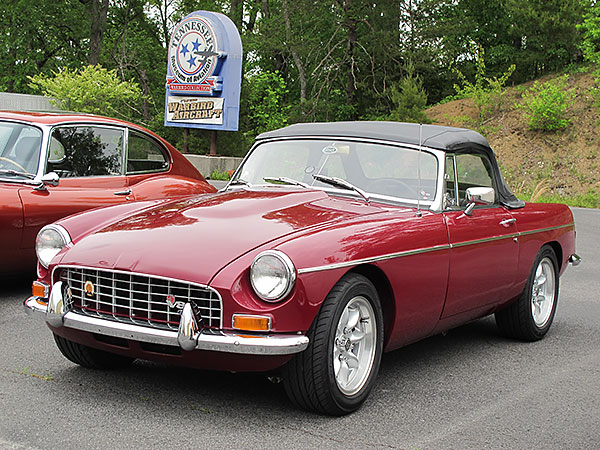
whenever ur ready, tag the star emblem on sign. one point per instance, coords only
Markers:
(192, 51)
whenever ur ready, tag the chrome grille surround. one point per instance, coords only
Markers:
(141, 299)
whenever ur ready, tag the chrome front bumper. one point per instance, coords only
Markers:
(189, 336)
(575, 259)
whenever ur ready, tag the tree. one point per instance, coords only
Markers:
(266, 109)
(32, 42)
(98, 13)
(590, 31)
(409, 98)
(92, 89)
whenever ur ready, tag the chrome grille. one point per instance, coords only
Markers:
(138, 298)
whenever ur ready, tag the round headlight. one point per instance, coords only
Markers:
(50, 240)
(272, 275)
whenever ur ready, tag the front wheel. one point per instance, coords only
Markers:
(530, 317)
(335, 374)
(88, 357)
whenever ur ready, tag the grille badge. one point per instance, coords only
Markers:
(89, 289)
(173, 303)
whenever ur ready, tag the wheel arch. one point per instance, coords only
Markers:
(384, 290)
(557, 248)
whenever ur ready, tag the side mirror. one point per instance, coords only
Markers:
(49, 179)
(479, 196)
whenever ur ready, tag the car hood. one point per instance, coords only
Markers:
(194, 238)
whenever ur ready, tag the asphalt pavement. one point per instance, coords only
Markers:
(469, 389)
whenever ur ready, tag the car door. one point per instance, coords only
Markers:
(484, 245)
(89, 161)
(146, 159)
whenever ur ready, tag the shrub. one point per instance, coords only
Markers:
(92, 89)
(410, 99)
(546, 104)
(486, 92)
(265, 96)
(590, 35)
(223, 175)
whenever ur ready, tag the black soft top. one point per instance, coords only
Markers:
(438, 137)
(434, 136)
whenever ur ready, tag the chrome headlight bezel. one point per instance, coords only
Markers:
(285, 270)
(50, 232)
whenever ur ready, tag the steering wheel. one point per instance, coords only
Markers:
(14, 163)
(392, 187)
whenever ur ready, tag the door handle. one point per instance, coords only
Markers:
(507, 222)
(125, 192)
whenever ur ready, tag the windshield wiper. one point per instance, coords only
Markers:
(238, 181)
(285, 180)
(335, 181)
(21, 174)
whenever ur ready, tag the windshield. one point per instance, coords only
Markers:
(19, 148)
(383, 171)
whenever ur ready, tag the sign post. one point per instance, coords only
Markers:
(204, 74)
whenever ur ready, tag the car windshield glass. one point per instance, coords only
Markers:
(378, 169)
(19, 148)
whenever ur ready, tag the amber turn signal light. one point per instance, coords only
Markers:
(249, 322)
(39, 289)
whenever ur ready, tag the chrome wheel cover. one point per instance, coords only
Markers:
(543, 292)
(354, 346)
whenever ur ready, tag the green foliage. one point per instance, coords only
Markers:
(217, 174)
(92, 89)
(265, 97)
(590, 33)
(486, 92)
(590, 199)
(546, 104)
(410, 99)
(590, 45)
(39, 36)
(340, 60)
(537, 36)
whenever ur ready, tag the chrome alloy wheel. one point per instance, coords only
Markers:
(543, 292)
(354, 346)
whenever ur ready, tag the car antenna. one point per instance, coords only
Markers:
(419, 214)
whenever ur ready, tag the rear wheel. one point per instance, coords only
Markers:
(88, 357)
(530, 317)
(335, 374)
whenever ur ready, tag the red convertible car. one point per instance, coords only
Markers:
(56, 164)
(333, 243)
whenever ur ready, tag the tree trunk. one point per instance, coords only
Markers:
(295, 57)
(235, 13)
(186, 138)
(350, 23)
(99, 12)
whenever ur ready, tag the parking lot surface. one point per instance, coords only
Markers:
(469, 389)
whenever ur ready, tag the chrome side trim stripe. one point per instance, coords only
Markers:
(435, 248)
(481, 241)
(541, 230)
(374, 259)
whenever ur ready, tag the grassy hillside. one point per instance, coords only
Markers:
(561, 166)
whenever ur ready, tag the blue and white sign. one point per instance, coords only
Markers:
(204, 73)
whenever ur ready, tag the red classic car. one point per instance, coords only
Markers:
(56, 164)
(331, 244)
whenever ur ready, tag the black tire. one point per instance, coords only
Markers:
(310, 377)
(525, 319)
(88, 357)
